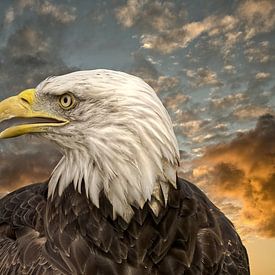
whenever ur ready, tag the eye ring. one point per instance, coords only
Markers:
(67, 101)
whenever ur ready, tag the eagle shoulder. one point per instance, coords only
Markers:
(70, 235)
(22, 236)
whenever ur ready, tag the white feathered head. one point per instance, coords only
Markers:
(114, 132)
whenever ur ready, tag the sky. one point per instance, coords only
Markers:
(212, 65)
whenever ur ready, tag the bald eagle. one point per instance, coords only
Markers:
(114, 203)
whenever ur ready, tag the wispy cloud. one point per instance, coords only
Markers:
(251, 111)
(262, 75)
(261, 52)
(181, 36)
(202, 77)
(165, 26)
(258, 17)
(154, 15)
(228, 101)
(174, 102)
(60, 13)
(230, 69)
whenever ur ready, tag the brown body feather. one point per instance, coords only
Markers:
(69, 235)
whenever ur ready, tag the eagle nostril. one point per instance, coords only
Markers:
(25, 100)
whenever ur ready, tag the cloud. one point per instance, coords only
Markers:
(146, 14)
(175, 102)
(164, 25)
(193, 127)
(221, 30)
(230, 69)
(32, 51)
(63, 14)
(258, 16)
(227, 101)
(261, 52)
(244, 105)
(9, 16)
(180, 36)
(60, 13)
(165, 28)
(145, 69)
(177, 37)
(262, 75)
(251, 111)
(185, 115)
(243, 170)
(22, 167)
(28, 58)
(164, 83)
(203, 77)
(218, 46)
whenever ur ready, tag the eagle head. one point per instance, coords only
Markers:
(115, 135)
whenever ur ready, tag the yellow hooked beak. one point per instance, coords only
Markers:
(21, 106)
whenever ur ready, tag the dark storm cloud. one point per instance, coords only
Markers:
(244, 169)
(27, 59)
(30, 54)
(32, 51)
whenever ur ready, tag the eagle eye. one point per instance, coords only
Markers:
(67, 101)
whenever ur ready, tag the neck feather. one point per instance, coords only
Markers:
(128, 173)
(126, 146)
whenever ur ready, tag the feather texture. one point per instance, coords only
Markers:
(114, 204)
(70, 235)
(119, 134)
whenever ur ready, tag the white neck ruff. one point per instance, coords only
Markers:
(125, 147)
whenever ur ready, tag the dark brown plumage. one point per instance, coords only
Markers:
(69, 235)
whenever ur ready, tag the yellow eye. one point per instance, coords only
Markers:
(67, 101)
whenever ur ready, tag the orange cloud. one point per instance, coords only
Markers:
(243, 170)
